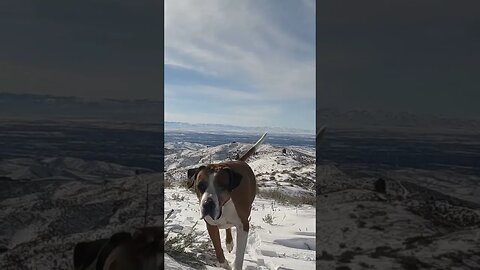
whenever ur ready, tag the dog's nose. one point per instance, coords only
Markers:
(208, 205)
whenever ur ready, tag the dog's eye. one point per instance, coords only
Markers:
(202, 186)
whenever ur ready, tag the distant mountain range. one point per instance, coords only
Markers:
(33, 106)
(335, 118)
(182, 126)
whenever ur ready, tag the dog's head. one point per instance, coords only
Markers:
(213, 185)
(142, 250)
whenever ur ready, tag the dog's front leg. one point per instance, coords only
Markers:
(215, 236)
(242, 237)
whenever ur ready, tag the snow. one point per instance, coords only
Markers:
(65, 168)
(45, 216)
(174, 265)
(281, 236)
(294, 171)
(412, 226)
(288, 242)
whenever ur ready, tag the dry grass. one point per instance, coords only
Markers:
(180, 241)
(177, 197)
(281, 197)
(183, 247)
(268, 219)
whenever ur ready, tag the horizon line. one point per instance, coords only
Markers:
(242, 126)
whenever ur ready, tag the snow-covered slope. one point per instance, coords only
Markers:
(411, 225)
(290, 170)
(282, 236)
(49, 205)
(66, 168)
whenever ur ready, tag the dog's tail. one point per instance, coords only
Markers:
(254, 148)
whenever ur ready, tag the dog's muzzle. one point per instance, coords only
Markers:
(209, 209)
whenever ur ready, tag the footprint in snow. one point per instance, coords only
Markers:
(268, 253)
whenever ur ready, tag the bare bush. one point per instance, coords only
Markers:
(284, 198)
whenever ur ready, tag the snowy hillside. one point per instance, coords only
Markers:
(49, 205)
(64, 168)
(292, 172)
(410, 222)
(282, 235)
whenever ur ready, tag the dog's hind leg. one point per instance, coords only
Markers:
(228, 239)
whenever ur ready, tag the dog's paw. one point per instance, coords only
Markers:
(224, 265)
(229, 247)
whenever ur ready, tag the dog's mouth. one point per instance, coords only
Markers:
(211, 214)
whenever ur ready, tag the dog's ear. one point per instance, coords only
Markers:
(234, 179)
(192, 174)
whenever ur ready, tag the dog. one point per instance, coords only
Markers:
(226, 192)
(122, 251)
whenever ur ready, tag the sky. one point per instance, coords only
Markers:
(419, 56)
(246, 63)
(90, 48)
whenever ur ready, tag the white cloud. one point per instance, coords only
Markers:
(180, 91)
(237, 40)
(177, 63)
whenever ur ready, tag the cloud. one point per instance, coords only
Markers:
(415, 56)
(211, 92)
(179, 64)
(91, 48)
(243, 41)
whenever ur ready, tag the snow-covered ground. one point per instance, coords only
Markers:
(286, 241)
(292, 169)
(411, 226)
(49, 205)
(425, 220)
(282, 236)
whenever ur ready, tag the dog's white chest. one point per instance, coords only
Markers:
(228, 219)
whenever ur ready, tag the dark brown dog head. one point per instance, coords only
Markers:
(213, 184)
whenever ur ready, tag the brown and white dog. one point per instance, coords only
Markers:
(226, 192)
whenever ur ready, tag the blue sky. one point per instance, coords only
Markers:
(247, 63)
